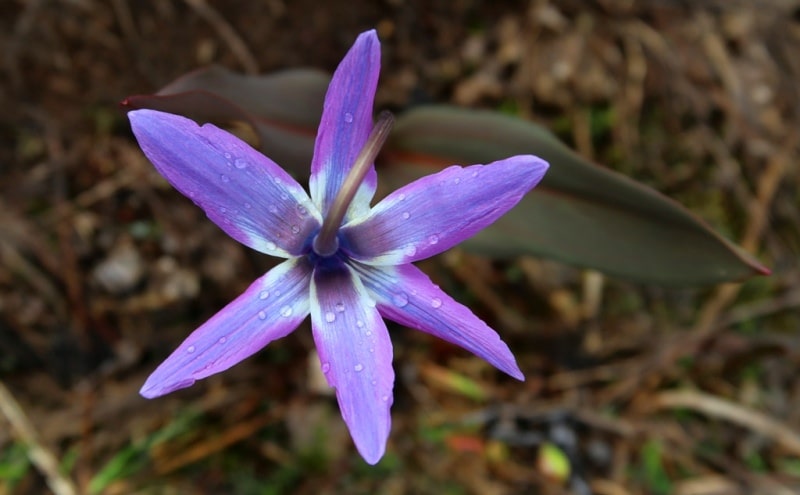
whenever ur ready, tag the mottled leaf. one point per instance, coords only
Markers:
(580, 214)
(283, 108)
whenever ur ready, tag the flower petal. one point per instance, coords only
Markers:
(272, 307)
(356, 355)
(407, 296)
(345, 125)
(438, 211)
(250, 197)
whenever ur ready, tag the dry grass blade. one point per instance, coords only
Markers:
(43, 459)
(713, 406)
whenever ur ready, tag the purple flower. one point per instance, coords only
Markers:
(348, 264)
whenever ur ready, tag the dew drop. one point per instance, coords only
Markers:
(295, 229)
(433, 239)
(223, 210)
(271, 245)
(401, 197)
(190, 349)
(286, 311)
(359, 367)
(436, 302)
(457, 180)
(222, 340)
(410, 250)
(277, 180)
(227, 156)
(278, 292)
(474, 174)
(330, 317)
(371, 349)
(348, 117)
(263, 294)
(400, 299)
(340, 307)
(326, 367)
(368, 333)
(225, 178)
(247, 206)
(406, 215)
(239, 163)
(360, 324)
(371, 302)
(284, 195)
(272, 209)
(262, 315)
(385, 398)
(302, 210)
(374, 382)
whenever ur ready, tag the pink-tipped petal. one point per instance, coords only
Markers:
(345, 125)
(272, 307)
(407, 296)
(246, 194)
(438, 211)
(356, 356)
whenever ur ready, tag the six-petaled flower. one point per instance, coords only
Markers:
(348, 264)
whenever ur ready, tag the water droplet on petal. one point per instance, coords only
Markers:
(410, 250)
(348, 117)
(302, 210)
(340, 307)
(222, 340)
(400, 299)
(371, 302)
(190, 349)
(228, 156)
(326, 367)
(401, 197)
(239, 163)
(223, 210)
(359, 367)
(247, 206)
(436, 302)
(374, 382)
(385, 398)
(277, 180)
(271, 245)
(406, 215)
(284, 195)
(272, 209)
(360, 324)
(457, 180)
(433, 239)
(262, 315)
(330, 317)
(286, 311)
(371, 349)
(368, 333)
(295, 229)
(225, 178)
(263, 294)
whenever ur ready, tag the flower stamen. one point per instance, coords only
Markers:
(326, 242)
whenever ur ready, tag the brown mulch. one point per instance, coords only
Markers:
(637, 389)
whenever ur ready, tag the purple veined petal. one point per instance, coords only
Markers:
(245, 193)
(356, 356)
(345, 125)
(438, 211)
(271, 308)
(407, 296)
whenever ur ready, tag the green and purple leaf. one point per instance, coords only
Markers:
(581, 214)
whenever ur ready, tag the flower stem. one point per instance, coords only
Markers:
(326, 242)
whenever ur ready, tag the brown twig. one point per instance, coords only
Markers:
(225, 31)
(43, 459)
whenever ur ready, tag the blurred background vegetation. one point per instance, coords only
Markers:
(631, 388)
